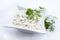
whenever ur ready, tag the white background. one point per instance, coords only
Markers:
(9, 8)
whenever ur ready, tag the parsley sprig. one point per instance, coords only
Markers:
(49, 23)
(34, 14)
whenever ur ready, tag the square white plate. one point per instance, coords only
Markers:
(10, 25)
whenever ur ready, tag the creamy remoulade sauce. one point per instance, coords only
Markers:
(20, 19)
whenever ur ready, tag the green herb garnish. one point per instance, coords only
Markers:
(33, 14)
(29, 12)
(49, 23)
(41, 7)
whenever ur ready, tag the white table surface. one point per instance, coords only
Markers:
(9, 8)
